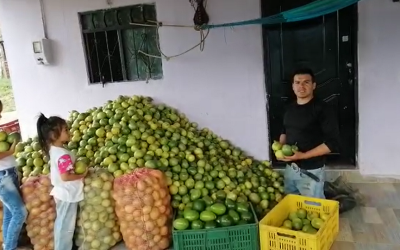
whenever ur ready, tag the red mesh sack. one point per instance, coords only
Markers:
(142, 205)
(41, 212)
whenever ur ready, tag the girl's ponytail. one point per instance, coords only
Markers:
(42, 132)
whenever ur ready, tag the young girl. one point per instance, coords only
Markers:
(14, 211)
(67, 187)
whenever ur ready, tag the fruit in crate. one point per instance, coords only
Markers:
(207, 213)
(301, 220)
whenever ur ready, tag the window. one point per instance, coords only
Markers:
(113, 45)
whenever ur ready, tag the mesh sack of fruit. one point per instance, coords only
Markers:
(143, 209)
(41, 211)
(97, 227)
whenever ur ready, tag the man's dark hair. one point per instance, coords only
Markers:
(304, 71)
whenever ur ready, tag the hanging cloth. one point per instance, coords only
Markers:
(200, 16)
(305, 12)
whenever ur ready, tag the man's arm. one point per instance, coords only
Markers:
(330, 129)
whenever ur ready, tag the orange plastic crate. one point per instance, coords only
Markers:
(272, 237)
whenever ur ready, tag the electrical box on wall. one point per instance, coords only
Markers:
(42, 51)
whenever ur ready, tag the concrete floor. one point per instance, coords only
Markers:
(375, 226)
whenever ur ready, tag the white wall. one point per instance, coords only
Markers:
(379, 87)
(221, 88)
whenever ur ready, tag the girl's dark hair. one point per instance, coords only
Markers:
(48, 130)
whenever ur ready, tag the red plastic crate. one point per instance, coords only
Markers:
(10, 127)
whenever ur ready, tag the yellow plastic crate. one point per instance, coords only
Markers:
(272, 237)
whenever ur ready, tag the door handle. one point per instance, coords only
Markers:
(349, 67)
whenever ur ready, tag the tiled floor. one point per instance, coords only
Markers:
(375, 226)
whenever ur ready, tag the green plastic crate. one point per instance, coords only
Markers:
(241, 237)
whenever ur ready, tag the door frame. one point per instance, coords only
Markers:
(268, 82)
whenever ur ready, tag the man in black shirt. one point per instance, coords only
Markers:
(311, 125)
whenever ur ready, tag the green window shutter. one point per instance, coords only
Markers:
(113, 45)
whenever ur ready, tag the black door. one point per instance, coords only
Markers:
(328, 46)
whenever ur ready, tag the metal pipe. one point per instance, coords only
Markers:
(43, 18)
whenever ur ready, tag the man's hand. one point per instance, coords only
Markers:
(283, 159)
(295, 157)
